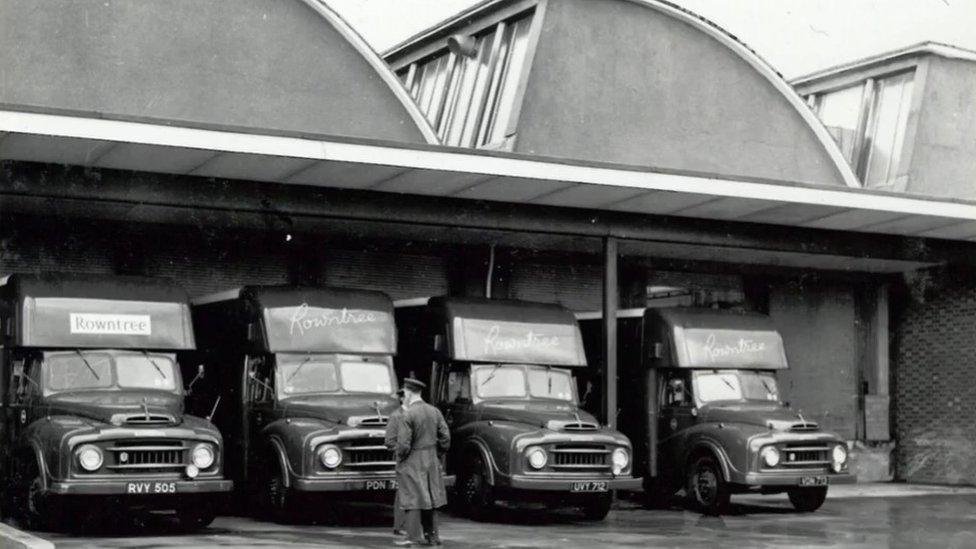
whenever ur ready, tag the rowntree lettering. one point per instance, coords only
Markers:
(495, 344)
(744, 346)
(93, 323)
(302, 321)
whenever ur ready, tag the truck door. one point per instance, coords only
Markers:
(456, 392)
(678, 413)
(259, 403)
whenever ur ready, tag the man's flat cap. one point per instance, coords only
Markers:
(414, 384)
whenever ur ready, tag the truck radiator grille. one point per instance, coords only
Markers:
(805, 456)
(580, 457)
(146, 457)
(366, 455)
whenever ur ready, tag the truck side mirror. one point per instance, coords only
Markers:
(438, 342)
(198, 377)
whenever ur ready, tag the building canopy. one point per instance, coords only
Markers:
(634, 82)
(287, 65)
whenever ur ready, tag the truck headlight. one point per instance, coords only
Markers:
(537, 458)
(839, 455)
(620, 459)
(90, 457)
(770, 456)
(203, 456)
(330, 456)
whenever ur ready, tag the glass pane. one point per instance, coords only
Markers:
(450, 101)
(467, 76)
(499, 57)
(883, 143)
(479, 92)
(366, 377)
(518, 48)
(500, 381)
(718, 386)
(550, 383)
(428, 79)
(441, 80)
(307, 374)
(840, 112)
(145, 372)
(78, 371)
(759, 386)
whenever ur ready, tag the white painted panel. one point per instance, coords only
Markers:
(852, 220)
(54, 150)
(661, 202)
(791, 214)
(431, 182)
(259, 167)
(345, 174)
(725, 208)
(511, 189)
(587, 196)
(150, 158)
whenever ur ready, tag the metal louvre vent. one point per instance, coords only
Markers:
(149, 420)
(366, 455)
(580, 457)
(581, 426)
(805, 455)
(146, 456)
(805, 427)
(378, 421)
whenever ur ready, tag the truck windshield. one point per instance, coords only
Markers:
(717, 385)
(311, 373)
(523, 381)
(86, 370)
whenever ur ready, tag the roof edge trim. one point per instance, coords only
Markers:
(767, 71)
(375, 61)
(922, 48)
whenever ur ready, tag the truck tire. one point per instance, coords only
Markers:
(473, 492)
(194, 516)
(275, 498)
(707, 488)
(807, 500)
(598, 507)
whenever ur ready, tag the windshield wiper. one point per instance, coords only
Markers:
(90, 369)
(491, 375)
(549, 378)
(727, 383)
(156, 366)
(295, 373)
(769, 390)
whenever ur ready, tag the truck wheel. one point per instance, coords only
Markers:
(707, 489)
(598, 507)
(276, 497)
(807, 500)
(194, 516)
(473, 493)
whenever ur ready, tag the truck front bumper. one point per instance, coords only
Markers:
(563, 484)
(792, 478)
(353, 483)
(124, 487)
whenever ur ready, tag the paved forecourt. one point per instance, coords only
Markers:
(884, 516)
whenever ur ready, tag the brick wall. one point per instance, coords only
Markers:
(934, 380)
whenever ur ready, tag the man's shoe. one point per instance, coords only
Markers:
(434, 541)
(405, 543)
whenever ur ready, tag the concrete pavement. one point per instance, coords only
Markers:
(853, 517)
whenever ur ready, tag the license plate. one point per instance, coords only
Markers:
(150, 488)
(589, 486)
(813, 481)
(381, 485)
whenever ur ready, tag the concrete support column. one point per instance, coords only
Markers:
(611, 301)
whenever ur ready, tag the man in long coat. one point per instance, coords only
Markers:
(422, 438)
(390, 441)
